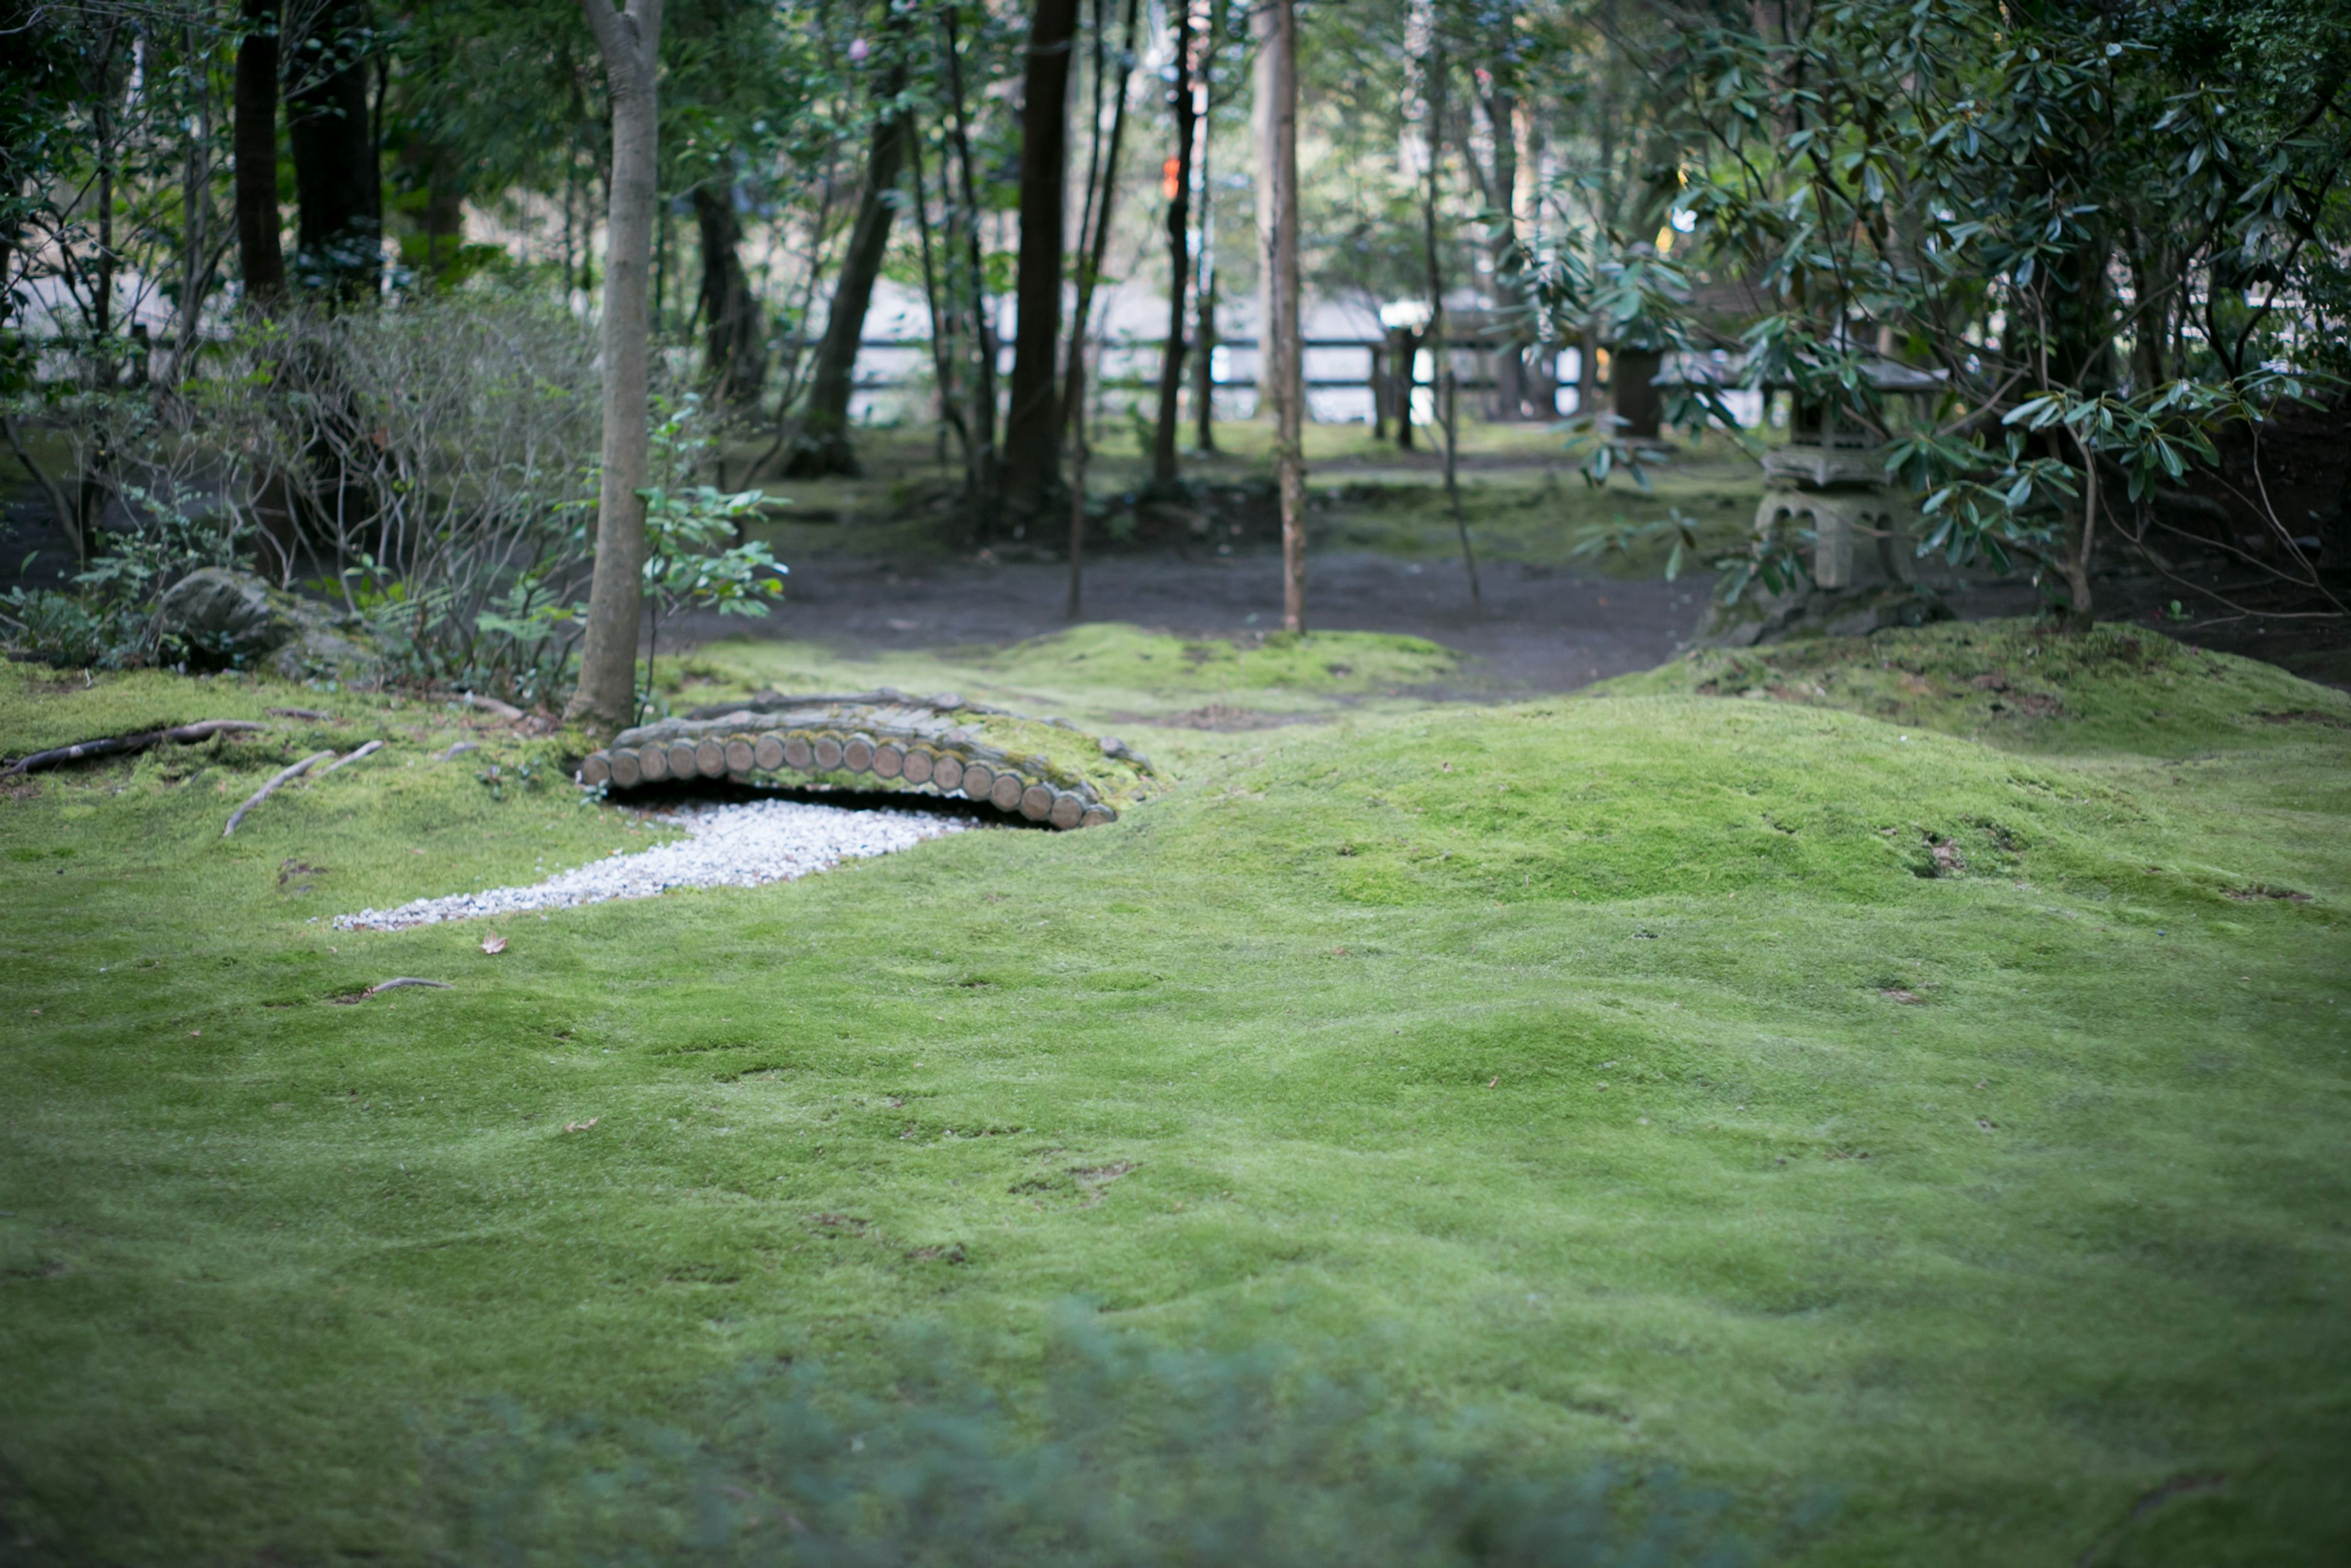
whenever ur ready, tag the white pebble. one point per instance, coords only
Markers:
(743, 845)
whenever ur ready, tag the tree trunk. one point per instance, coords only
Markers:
(1204, 293)
(1093, 236)
(985, 476)
(444, 209)
(630, 42)
(1587, 377)
(735, 349)
(823, 446)
(1179, 255)
(338, 184)
(1509, 361)
(255, 135)
(1032, 429)
(1205, 308)
(197, 259)
(1277, 81)
(1632, 384)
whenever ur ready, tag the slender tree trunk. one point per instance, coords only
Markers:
(823, 446)
(985, 476)
(1278, 80)
(337, 183)
(1509, 361)
(196, 255)
(1094, 234)
(255, 142)
(630, 42)
(444, 209)
(1203, 295)
(735, 349)
(1179, 253)
(1032, 428)
(1447, 391)
(943, 320)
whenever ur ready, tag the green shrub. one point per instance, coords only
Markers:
(1126, 1453)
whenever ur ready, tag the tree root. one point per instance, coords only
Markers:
(263, 793)
(184, 734)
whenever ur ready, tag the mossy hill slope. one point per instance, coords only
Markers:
(1819, 1106)
(2022, 688)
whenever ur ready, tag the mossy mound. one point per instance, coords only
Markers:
(1325, 664)
(1643, 798)
(2018, 686)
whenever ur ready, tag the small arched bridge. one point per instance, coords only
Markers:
(1046, 770)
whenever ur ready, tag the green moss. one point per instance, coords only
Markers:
(1128, 658)
(1645, 1081)
(2021, 687)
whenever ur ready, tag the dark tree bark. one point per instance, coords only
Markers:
(1277, 83)
(823, 446)
(1032, 430)
(630, 42)
(1632, 384)
(1179, 253)
(1501, 193)
(445, 208)
(735, 349)
(259, 261)
(338, 178)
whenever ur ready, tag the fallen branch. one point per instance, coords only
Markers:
(263, 793)
(392, 984)
(300, 713)
(370, 750)
(506, 711)
(187, 734)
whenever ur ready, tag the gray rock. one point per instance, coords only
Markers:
(229, 617)
(228, 614)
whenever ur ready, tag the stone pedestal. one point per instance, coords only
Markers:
(1862, 535)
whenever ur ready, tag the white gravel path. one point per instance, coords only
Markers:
(742, 845)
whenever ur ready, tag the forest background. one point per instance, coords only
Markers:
(311, 285)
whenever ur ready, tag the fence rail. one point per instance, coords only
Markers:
(1372, 379)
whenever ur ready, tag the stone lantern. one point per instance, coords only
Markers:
(1829, 478)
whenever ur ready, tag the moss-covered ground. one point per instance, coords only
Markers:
(1863, 1096)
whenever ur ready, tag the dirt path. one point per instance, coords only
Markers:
(1541, 630)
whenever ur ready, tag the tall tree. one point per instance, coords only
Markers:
(630, 42)
(823, 445)
(1277, 85)
(337, 174)
(1032, 427)
(255, 143)
(1178, 186)
(734, 338)
(1094, 244)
